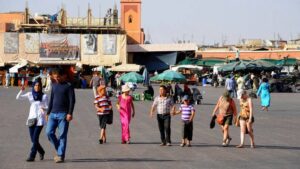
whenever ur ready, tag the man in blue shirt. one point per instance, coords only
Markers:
(59, 114)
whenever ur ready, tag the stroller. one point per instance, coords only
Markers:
(197, 96)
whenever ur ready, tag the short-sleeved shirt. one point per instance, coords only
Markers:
(103, 102)
(163, 104)
(96, 81)
(186, 112)
(241, 83)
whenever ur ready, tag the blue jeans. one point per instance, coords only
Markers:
(35, 132)
(58, 120)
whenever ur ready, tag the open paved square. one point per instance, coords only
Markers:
(276, 133)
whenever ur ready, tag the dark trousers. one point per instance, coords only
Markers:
(164, 125)
(187, 130)
(35, 132)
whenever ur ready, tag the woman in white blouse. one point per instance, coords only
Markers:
(36, 118)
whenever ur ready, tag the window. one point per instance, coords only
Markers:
(130, 19)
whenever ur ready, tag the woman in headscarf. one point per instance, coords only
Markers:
(36, 118)
(227, 110)
(264, 93)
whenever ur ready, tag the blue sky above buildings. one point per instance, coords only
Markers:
(200, 21)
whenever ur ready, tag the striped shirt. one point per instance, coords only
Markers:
(186, 112)
(163, 104)
(103, 102)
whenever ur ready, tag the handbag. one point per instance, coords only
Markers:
(213, 122)
(32, 122)
(110, 117)
(220, 119)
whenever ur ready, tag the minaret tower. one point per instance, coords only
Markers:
(131, 21)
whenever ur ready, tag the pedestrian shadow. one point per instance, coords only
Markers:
(248, 146)
(146, 143)
(119, 160)
(277, 147)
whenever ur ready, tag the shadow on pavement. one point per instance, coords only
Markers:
(119, 160)
(248, 146)
(277, 147)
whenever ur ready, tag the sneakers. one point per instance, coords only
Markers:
(224, 144)
(162, 144)
(58, 159)
(30, 159)
(168, 144)
(42, 155)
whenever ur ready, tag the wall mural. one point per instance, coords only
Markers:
(109, 44)
(32, 43)
(11, 43)
(90, 44)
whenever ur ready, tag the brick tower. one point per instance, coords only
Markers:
(131, 21)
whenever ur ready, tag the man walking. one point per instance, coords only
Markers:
(165, 107)
(61, 106)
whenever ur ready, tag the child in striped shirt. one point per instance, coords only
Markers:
(103, 107)
(187, 112)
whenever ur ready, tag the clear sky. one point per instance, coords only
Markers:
(200, 21)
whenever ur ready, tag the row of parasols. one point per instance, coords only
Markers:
(168, 75)
(173, 76)
(249, 66)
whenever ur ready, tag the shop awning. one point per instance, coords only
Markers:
(16, 68)
(126, 68)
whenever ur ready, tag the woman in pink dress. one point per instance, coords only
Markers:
(125, 107)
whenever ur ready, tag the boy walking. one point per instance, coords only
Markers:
(187, 112)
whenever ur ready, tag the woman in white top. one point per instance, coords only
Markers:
(36, 118)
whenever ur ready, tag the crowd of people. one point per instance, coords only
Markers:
(56, 113)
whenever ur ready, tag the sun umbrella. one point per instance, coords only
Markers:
(234, 66)
(132, 77)
(146, 77)
(154, 78)
(99, 68)
(170, 75)
(263, 65)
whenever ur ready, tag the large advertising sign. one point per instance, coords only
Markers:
(109, 44)
(32, 43)
(11, 43)
(59, 46)
(90, 44)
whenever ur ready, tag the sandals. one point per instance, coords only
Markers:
(228, 140)
(240, 146)
(182, 144)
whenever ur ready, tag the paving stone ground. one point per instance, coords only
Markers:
(276, 132)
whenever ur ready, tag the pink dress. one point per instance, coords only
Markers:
(125, 116)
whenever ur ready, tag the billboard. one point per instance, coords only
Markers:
(59, 46)
(90, 44)
(109, 44)
(11, 43)
(32, 41)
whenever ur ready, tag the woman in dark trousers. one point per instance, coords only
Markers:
(36, 118)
